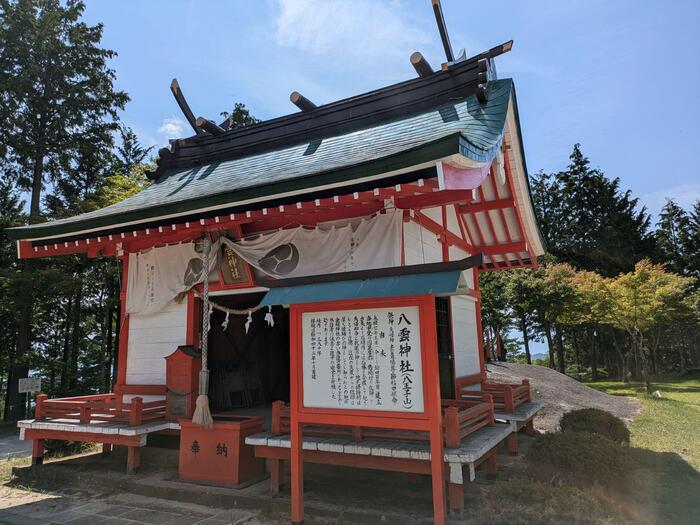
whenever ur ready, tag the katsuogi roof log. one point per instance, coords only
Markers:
(301, 101)
(344, 116)
(420, 64)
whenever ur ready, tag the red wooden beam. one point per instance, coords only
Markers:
(488, 205)
(437, 198)
(311, 218)
(502, 249)
(432, 226)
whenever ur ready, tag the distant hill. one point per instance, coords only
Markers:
(541, 356)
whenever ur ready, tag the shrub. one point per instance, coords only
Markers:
(581, 459)
(596, 421)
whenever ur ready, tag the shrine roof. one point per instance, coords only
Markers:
(460, 126)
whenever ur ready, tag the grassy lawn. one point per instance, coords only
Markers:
(669, 424)
(665, 437)
(665, 446)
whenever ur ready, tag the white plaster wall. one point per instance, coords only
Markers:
(464, 335)
(151, 338)
(414, 236)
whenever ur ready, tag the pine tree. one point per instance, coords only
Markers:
(588, 221)
(672, 237)
(130, 152)
(239, 117)
(58, 109)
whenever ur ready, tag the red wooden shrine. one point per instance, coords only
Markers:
(181, 380)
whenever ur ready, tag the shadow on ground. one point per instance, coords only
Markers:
(95, 489)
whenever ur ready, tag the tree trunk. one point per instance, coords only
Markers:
(65, 384)
(526, 342)
(15, 403)
(594, 357)
(75, 338)
(550, 344)
(560, 349)
(37, 186)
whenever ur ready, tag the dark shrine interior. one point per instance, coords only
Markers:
(250, 368)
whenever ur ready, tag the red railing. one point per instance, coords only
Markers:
(460, 418)
(505, 397)
(99, 407)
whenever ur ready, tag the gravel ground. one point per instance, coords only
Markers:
(560, 393)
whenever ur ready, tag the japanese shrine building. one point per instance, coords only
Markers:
(432, 168)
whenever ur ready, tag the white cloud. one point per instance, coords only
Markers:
(348, 28)
(684, 195)
(172, 127)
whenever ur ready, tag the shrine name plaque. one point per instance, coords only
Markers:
(366, 359)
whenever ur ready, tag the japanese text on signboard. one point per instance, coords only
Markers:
(366, 359)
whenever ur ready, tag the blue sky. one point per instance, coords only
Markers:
(620, 77)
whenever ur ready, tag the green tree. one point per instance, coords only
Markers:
(673, 232)
(58, 110)
(521, 290)
(130, 152)
(239, 117)
(588, 221)
(642, 300)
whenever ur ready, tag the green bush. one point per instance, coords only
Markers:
(581, 459)
(596, 421)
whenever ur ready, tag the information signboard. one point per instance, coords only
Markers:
(29, 384)
(367, 359)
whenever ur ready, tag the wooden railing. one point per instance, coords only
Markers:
(505, 397)
(99, 407)
(460, 418)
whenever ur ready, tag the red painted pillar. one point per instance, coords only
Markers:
(434, 409)
(37, 452)
(296, 434)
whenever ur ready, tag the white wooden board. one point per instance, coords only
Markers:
(367, 359)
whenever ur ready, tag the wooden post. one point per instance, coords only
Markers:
(297, 467)
(276, 426)
(133, 460)
(508, 402)
(357, 434)
(530, 428)
(455, 497)
(529, 390)
(434, 410)
(37, 452)
(85, 413)
(135, 412)
(452, 427)
(39, 406)
(491, 464)
(106, 449)
(488, 398)
(276, 465)
(512, 443)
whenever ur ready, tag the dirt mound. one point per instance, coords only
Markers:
(560, 393)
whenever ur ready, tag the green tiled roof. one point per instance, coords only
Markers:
(464, 126)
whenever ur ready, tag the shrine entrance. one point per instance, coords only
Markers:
(248, 356)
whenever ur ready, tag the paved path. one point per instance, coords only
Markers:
(19, 507)
(11, 446)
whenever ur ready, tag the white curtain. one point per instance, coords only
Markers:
(359, 245)
(159, 275)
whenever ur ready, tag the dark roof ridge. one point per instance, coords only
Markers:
(459, 80)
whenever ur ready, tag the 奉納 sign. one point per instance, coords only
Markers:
(29, 384)
(367, 359)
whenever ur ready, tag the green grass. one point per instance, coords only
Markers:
(669, 424)
(665, 437)
(665, 447)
